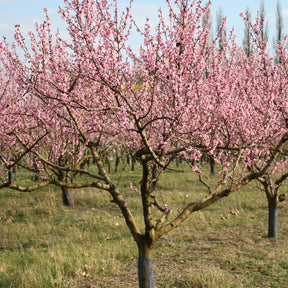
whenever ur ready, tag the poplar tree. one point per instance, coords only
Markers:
(279, 28)
(247, 45)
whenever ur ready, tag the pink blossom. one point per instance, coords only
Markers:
(164, 207)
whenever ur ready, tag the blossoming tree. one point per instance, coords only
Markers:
(269, 90)
(177, 96)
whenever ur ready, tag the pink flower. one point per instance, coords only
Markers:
(164, 207)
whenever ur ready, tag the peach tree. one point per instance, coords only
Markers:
(177, 96)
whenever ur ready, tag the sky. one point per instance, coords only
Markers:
(28, 12)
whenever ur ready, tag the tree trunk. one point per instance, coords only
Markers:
(154, 177)
(145, 273)
(67, 200)
(212, 165)
(272, 199)
(66, 197)
(13, 173)
(212, 169)
(133, 164)
(107, 162)
(128, 159)
(273, 223)
(117, 162)
(273, 217)
(145, 266)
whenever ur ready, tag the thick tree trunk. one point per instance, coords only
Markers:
(272, 199)
(145, 266)
(273, 216)
(67, 200)
(66, 197)
(212, 165)
(145, 273)
(154, 177)
(273, 223)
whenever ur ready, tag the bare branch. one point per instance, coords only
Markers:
(281, 179)
(29, 188)
(204, 183)
(156, 203)
(28, 149)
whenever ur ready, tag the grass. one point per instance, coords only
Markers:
(44, 244)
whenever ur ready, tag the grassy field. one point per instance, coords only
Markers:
(43, 244)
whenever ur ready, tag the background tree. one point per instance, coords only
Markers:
(279, 28)
(263, 23)
(247, 45)
(275, 80)
(207, 22)
(220, 28)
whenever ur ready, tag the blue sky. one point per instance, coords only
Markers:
(27, 12)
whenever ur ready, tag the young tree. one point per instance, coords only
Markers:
(273, 88)
(26, 127)
(271, 189)
(84, 94)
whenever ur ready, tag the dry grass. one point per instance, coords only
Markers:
(43, 244)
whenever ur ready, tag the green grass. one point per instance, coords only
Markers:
(43, 244)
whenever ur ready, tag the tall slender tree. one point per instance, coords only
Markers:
(207, 22)
(263, 27)
(279, 28)
(220, 28)
(247, 40)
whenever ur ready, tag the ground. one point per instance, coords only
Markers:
(45, 245)
(230, 256)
